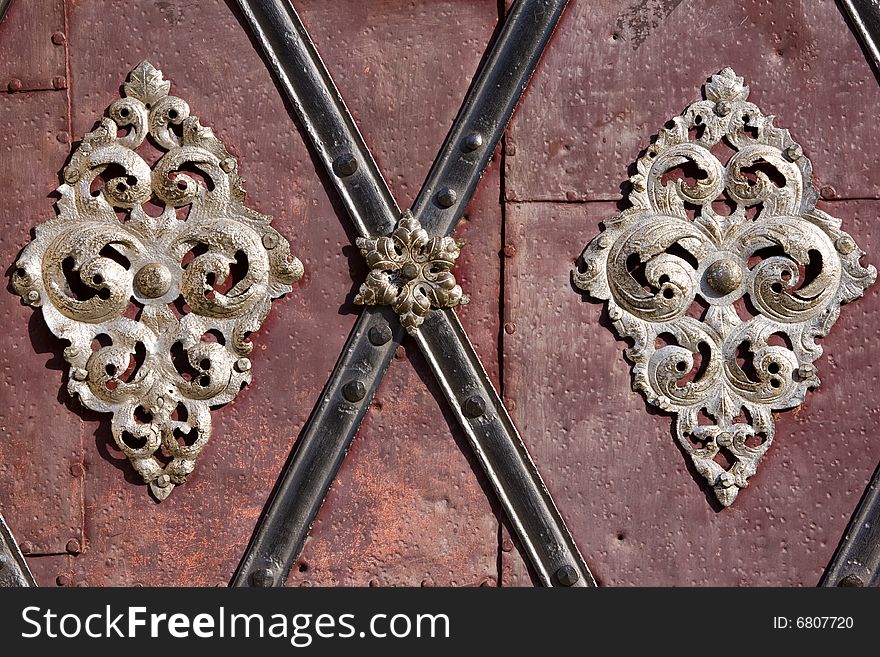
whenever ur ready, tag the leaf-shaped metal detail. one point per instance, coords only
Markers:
(156, 308)
(411, 272)
(723, 274)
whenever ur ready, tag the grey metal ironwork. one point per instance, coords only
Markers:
(438, 207)
(14, 571)
(109, 287)
(865, 18)
(772, 273)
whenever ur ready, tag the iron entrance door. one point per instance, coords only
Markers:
(410, 506)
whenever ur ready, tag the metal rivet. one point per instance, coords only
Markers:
(228, 164)
(851, 581)
(14, 85)
(828, 192)
(489, 581)
(58, 38)
(33, 296)
(845, 244)
(27, 547)
(507, 545)
(73, 546)
(345, 165)
(567, 575)
(473, 406)
(63, 137)
(509, 250)
(263, 578)
(242, 365)
(354, 391)
(79, 374)
(510, 328)
(270, 240)
(59, 82)
(427, 583)
(473, 141)
(380, 334)
(163, 480)
(63, 580)
(374, 583)
(77, 470)
(446, 197)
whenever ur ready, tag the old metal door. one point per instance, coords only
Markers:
(410, 506)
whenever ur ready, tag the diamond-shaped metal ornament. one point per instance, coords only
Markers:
(156, 306)
(723, 283)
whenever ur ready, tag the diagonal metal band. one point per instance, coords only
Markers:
(14, 571)
(857, 560)
(865, 18)
(282, 531)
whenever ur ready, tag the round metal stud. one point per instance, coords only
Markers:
(851, 581)
(153, 280)
(446, 197)
(473, 141)
(242, 365)
(380, 334)
(270, 240)
(724, 276)
(263, 578)
(473, 406)
(354, 391)
(567, 575)
(345, 165)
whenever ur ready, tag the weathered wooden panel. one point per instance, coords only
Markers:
(40, 439)
(638, 511)
(32, 38)
(213, 65)
(617, 71)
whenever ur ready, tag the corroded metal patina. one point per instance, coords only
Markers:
(725, 282)
(157, 309)
(411, 272)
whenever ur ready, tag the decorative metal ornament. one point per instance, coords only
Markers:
(411, 272)
(157, 309)
(724, 305)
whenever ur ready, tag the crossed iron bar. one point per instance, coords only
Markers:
(279, 537)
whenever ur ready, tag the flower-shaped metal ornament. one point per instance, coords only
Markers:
(724, 284)
(411, 272)
(156, 307)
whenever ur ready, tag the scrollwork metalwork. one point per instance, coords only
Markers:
(723, 275)
(157, 306)
(411, 272)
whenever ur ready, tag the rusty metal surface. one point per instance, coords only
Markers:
(627, 496)
(40, 470)
(393, 101)
(34, 42)
(617, 70)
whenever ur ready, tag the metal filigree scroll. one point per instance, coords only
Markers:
(411, 272)
(723, 274)
(156, 302)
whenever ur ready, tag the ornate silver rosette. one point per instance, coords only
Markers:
(724, 283)
(157, 305)
(411, 272)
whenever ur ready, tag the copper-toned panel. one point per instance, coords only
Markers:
(613, 465)
(617, 70)
(34, 42)
(40, 438)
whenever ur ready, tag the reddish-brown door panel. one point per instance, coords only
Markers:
(617, 71)
(638, 512)
(408, 507)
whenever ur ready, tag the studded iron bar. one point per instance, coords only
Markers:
(301, 73)
(857, 560)
(501, 452)
(14, 571)
(283, 528)
(865, 18)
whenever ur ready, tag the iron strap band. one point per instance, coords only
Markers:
(14, 571)
(325, 440)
